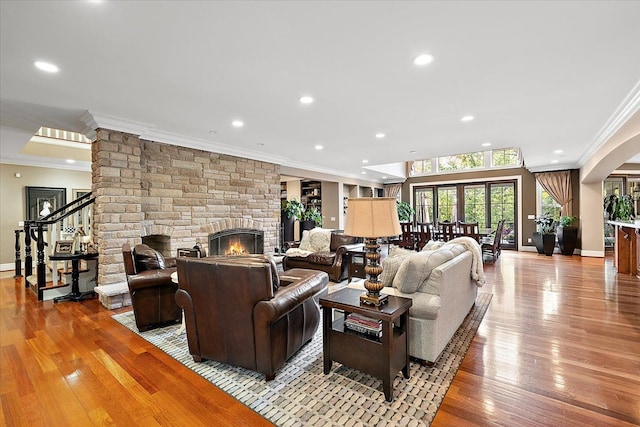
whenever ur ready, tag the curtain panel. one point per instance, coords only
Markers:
(558, 185)
(392, 190)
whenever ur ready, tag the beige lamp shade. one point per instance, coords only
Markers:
(372, 217)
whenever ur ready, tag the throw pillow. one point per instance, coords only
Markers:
(320, 239)
(148, 258)
(417, 268)
(305, 242)
(390, 266)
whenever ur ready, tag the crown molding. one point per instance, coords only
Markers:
(42, 162)
(625, 110)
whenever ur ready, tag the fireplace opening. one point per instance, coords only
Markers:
(237, 241)
(159, 242)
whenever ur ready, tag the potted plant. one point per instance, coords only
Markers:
(311, 218)
(290, 211)
(567, 235)
(619, 208)
(405, 211)
(545, 237)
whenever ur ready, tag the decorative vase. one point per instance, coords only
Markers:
(537, 240)
(307, 225)
(567, 239)
(548, 243)
(287, 227)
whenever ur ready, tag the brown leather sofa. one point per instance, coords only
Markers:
(152, 291)
(239, 311)
(332, 262)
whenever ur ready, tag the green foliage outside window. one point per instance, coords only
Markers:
(474, 204)
(446, 202)
(504, 157)
(461, 161)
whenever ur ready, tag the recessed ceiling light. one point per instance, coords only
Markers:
(558, 151)
(466, 118)
(412, 152)
(486, 144)
(237, 123)
(46, 66)
(319, 147)
(554, 161)
(424, 59)
(70, 161)
(365, 161)
(380, 135)
(213, 132)
(364, 173)
(306, 99)
(384, 177)
(260, 144)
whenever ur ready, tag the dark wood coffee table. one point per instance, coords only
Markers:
(380, 358)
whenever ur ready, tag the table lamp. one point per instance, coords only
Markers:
(372, 217)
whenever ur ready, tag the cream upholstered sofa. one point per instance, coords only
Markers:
(440, 281)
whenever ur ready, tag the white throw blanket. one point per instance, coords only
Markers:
(477, 269)
(297, 252)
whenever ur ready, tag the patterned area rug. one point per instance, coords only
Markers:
(302, 395)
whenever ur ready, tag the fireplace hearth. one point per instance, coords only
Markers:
(237, 241)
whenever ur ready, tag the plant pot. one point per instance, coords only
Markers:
(287, 227)
(307, 225)
(537, 240)
(567, 239)
(545, 243)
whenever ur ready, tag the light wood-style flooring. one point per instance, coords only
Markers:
(559, 346)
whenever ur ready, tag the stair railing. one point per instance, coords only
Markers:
(35, 230)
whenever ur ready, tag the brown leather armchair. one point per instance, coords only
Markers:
(152, 291)
(333, 262)
(239, 311)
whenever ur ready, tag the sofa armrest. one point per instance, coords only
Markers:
(150, 278)
(296, 286)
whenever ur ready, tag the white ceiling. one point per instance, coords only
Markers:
(537, 75)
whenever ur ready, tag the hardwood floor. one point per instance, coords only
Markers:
(559, 345)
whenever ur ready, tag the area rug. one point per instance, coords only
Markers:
(302, 395)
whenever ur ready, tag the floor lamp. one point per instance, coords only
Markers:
(371, 218)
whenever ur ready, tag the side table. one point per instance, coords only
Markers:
(356, 260)
(75, 294)
(382, 359)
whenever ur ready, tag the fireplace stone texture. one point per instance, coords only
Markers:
(146, 187)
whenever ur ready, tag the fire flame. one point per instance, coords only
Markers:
(235, 248)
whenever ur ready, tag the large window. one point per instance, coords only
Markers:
(475, 204)
(424, 205)
(482, 202)
(447, 204)
(499, 158)
(547, 204)
(461, 162)
(503, 206)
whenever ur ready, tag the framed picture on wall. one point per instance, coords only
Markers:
(77, 193)
(42, 201)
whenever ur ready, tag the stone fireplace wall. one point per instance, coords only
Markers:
(145, 187)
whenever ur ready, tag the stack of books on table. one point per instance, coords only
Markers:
(364, 325)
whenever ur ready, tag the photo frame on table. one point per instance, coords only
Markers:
(63, 247)
(42, 201)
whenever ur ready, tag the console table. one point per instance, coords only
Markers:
(75, 294)
(382, 359)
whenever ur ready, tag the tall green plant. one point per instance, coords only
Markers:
(404, 211)
(292, 208)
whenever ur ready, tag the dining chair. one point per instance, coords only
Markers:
(446, 230)
(469, 229)
(423, 234)
(492, 247)
(407, 239)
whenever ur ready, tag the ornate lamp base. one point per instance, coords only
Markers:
(375, 300)
(373, 270)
